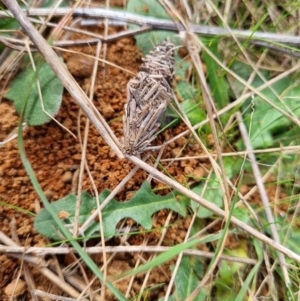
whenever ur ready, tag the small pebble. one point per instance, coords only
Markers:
(16, 288)
(67, 177)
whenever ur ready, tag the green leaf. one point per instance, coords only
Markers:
(216, 75)
(227, 269)
(81, 252)
(266, 120)
(244, 71)
(213, 191)
(184, 90)
(227, 286)
(186, 281)
(193, 111)
(24, 93)
(7, 24)
(262, 119)
(148, 40)
(140, 208)
(290, 236)
(242, 214)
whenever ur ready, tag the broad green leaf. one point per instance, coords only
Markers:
(244, 71)
(216, 75)
(140, 208)
(65, 210)
(191, 107)
(228, 269)
(186, 281)
(7, 24)
(148, 40)
(197, 226)
(263, 120)
(266, 120)
(23, 92)
(184, 89)
(193, 111)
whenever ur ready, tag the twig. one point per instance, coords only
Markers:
(291, 149)
(38, 251)
(278, 48)
(155, 23)
(263, 195)
(48, 296)
(193, 46)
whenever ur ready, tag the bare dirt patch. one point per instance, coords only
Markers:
(55, 156)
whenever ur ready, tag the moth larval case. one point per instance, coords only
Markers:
(148, 94)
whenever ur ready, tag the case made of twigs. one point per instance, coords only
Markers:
(148, 94)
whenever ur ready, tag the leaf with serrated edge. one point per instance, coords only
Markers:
(140, 208)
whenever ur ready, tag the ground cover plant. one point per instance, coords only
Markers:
(211, 213)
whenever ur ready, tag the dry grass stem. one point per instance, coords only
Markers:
(156, 23)
(39, 251)
(263, 195)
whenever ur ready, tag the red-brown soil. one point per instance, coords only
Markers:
(55, 156)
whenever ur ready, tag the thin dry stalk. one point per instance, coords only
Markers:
(42, 251)
(193, 47)
(155, 23)
(47, 296)
(178, 261)
(84, 144)
(263, 195)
